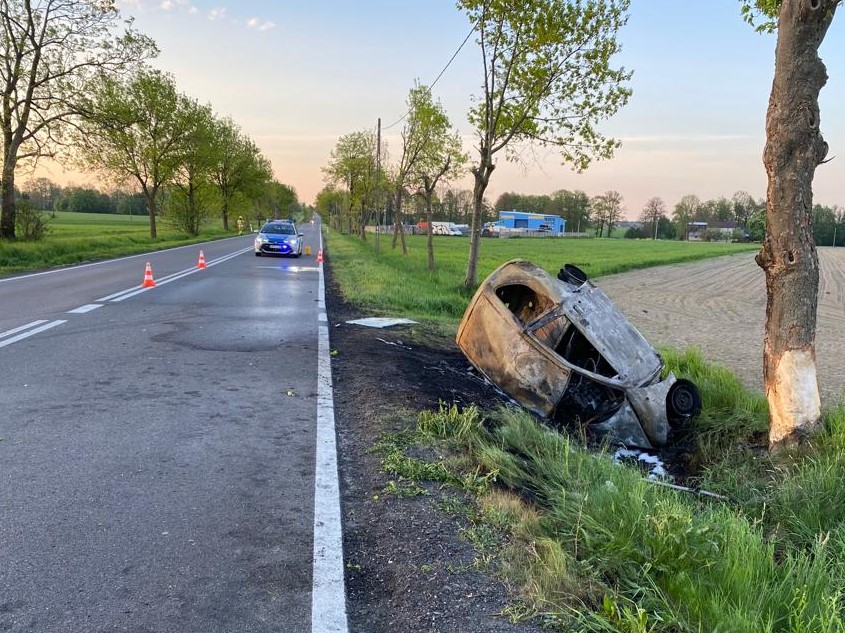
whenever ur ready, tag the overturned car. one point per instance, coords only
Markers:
(562, 349)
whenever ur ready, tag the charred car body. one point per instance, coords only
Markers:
(563, 350)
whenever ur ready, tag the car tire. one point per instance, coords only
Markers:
(683, 402)
(257, 254)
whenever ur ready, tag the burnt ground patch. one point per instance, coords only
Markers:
(408, 567)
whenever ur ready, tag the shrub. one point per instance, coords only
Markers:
(30, 224)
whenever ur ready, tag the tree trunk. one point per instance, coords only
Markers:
(398, 229)
(151, 207)
(794, 147)
(429, 217)
(7, 202)
(226, 213)
(482, 179)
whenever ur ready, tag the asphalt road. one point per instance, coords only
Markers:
(157, 452)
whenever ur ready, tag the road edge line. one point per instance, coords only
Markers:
(328, 592)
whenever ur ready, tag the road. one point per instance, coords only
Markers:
(157, 462)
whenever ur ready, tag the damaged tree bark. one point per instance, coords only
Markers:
(794, 147)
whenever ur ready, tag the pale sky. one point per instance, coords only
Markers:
(297, 74)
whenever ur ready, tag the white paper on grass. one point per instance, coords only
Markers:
(380, 322)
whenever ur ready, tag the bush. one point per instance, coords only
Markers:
(30, 224)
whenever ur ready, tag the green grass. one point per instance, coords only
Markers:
(82, 237)
(590, 545)
(389, 283)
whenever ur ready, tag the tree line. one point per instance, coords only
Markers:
(77, 87)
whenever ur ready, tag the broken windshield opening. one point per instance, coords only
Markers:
(525, 304)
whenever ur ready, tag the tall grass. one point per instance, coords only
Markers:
(74, 238)
(595, 546)
(390, 283)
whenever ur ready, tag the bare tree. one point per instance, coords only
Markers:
(653, 210)
(48, 52)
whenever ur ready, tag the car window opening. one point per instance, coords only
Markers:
(525, 304)
(577, 350)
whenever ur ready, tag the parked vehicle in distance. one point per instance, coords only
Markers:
(445, 228)
(278, 237)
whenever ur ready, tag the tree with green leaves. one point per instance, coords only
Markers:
(136, 128)
(416, 139)
(794, 149)
(240, 169)
(686, 210)
(50, 49)
(547, 79)
(353, 166)
(192, 196)
(440, 156)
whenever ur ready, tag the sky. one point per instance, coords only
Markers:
(297, 74)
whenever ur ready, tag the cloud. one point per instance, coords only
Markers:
(217, 13)
(258, 25)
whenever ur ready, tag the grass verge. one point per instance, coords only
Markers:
(75, 238)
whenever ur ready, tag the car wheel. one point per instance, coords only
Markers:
(683, 402)
(257, 254)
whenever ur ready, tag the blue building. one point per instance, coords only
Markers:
(532, 221)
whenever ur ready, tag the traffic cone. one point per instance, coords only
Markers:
(320, 256)
(308, 249)
(149, 282)
(201, 262)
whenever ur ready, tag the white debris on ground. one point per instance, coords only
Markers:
(655, 470)
(380, 322)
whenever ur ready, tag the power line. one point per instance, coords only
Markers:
(433, 83)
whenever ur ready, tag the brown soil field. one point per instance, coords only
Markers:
(719, 306)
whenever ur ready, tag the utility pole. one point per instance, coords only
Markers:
(378, 185)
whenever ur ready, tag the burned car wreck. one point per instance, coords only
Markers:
(561, 349)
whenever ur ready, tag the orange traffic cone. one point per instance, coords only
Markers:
(201, 262)
(149, 282)
(320, 256)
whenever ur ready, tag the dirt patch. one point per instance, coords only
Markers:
(719, 306)
(408, 569)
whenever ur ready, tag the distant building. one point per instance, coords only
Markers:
(696, 231)
(532, 221)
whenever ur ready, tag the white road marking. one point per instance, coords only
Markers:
(328, 593)
(29, 333)
(85, 308)
(135, 290)
(22, 328)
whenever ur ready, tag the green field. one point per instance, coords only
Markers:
(390, 283)
(75, 238)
